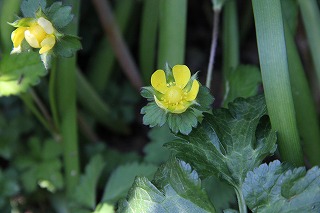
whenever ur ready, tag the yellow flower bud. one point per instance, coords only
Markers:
(39, 34)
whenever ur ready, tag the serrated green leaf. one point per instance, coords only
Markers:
(229, 143)
(154, 116)
(154, 151)
(122, 178)
(183, 122)
(39, 169)
(54, 7)
(30, 7)
(176, 188)
(274, 188)
(67, 46)
(20, 71)
(61, 17)
(243, 82)
(85, 193)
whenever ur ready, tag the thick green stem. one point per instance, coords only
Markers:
(311, 18)
(66, 103)
(230, 37)
(172, 32)
(241, 202)
(148, 38)
(275, 77)
(308, 124)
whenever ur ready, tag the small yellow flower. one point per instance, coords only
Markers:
(175, 96)
(39, 34)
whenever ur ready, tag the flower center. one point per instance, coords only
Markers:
(174, 95)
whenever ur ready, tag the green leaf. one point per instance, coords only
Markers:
(154, 115)
(177, 188)
(85, 193)
(67, 46)
(290, 12)
(20, 71)
(154, 151)
(229, 143)
(226, 198)
(243, 82)
(30, 7)
(122, 178)
(183, 122)
(60, 17)
(39, 167)
(275, 188)
(204, 99)
(104, 208)
(8, 186)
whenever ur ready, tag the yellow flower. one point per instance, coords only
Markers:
(39, 34)
(175, 96)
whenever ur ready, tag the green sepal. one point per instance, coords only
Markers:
(67, 45)
(204, 100)
(59, 15)
(29, 8)
(46, 59)
(23, 22)
(276, 188)
(148, 93)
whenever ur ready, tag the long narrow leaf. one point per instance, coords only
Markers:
(172, 32)
(275, 77)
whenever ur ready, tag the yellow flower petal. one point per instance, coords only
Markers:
(31, 39)
(161, 104)
(181, 74)
(192, 94)
(180, 108)
(17, 36)
(159, 81)
(46, 25)
(47, 44)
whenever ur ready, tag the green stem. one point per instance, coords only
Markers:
(28, 101)
(230, 38)
(172, 32)
(148, 38)
(66, 103)
(241, 202)
(214, 43)
(308, 124)
(275, 77)
(311, 17)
